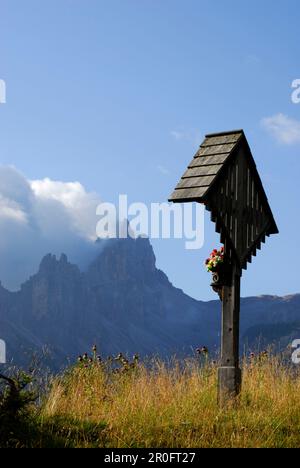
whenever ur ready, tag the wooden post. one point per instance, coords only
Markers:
(229, 374)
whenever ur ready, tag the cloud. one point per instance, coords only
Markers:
(77, 203)
(192, 136)
(39, 217)
(163, 170)
(285, 129)
(177, 135)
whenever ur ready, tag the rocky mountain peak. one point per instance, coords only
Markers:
(124, 260)
(124, 303)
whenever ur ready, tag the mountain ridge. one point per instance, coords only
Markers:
(123, 302)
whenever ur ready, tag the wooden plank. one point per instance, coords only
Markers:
(259, 239)
(190, 182)
(263, 216)
(202, 171)
(250, 210)
(223, 200)
(211, 168)
(218, 225)
(257, 215)
(209, 160)
(240, 203)
(233, 205)
(187, 194)
(215, 150)
(243, 189)
(248, 221)
(226, 203)
(254, 217)
(213, 217)
(222, 236)
(222, 139)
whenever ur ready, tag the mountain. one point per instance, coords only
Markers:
(124, 303)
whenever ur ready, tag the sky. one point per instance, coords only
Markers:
(115, 97)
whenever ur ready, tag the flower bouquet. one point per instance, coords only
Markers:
(215, 261)
(216, 265)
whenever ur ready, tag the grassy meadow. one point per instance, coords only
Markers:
(95, 405)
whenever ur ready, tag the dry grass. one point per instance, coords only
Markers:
(175, 407)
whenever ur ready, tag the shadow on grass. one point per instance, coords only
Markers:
(65, 432)
(55, 432)
(21, 425)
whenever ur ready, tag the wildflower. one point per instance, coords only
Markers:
(263, 355)
(124, 361)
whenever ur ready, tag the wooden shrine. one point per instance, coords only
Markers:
(224, 177)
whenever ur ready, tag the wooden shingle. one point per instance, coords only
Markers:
(223, 176)
(208, 161)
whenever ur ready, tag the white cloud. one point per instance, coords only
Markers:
(177, 135)
(39, 217)
(192, 136)
(285, 129)
(163, 170)
(80, 205)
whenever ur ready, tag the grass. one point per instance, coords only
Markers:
(173, 407)
(94, 404)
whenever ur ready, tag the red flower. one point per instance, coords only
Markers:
(216, 258)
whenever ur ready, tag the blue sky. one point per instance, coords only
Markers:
(118, 95)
